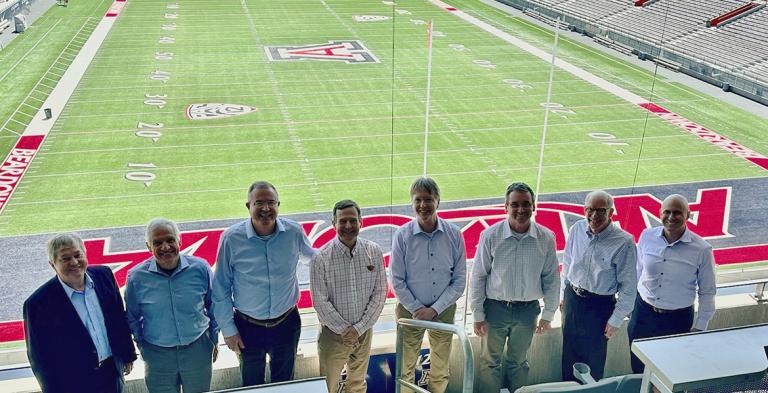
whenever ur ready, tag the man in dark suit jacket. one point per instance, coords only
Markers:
(77, 334)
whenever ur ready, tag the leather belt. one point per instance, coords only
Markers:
(663, 310)
(510, 303)
(267, 323)
(581, 292)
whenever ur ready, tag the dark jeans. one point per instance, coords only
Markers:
(646, 322)
(108, 378)
(279, 341)
(584, 320)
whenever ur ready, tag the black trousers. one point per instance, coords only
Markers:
(584, 320)
(279, 342)
(646, 323)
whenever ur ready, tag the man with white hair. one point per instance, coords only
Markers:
(674, 265)
(599, 285)
(168, 300)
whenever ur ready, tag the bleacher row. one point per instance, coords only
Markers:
(681, 26)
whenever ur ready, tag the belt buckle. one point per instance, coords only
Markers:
(581, 292)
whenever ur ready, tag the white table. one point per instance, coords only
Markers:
(702, 359)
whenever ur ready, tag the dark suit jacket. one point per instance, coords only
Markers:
(60, 350)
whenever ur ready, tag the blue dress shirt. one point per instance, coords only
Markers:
(670, 276)
(257, 275)
(88, 308)
(603, 263)
(169, 311)
(428, 269)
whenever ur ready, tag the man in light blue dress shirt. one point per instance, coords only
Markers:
(600, 284)
(168, 301)
(255, 289)
(429, 274)
(674, 267)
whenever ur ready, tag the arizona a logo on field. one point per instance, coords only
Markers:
(349, 51)
(216, 111)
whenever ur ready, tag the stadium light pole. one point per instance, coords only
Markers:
(547, 108)
(429, 80)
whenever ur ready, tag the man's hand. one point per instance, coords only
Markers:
(215, 354)
(350, 337)
(610, 330)
(127, 368)
(425, 314)
(481, 328)
(543, 326)
(235, 343)
(561, 305)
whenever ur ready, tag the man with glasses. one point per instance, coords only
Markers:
(255, 289)
(429, 274)
(515, 266)
(600, 284)
(674, 267)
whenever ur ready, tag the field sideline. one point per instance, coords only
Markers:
(126, 148)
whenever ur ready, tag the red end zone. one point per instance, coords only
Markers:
(16, 165)
(708, 135)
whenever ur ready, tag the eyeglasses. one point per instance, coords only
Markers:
(269, 203)
(600, 211)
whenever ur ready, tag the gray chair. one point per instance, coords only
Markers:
(619, 384)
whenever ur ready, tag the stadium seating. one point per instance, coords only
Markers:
(737, 45)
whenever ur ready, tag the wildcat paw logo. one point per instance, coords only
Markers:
(216, 111)
(351, 52)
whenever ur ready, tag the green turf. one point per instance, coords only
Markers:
(329, 130)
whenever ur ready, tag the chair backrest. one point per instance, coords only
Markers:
(630, 383)
(604, 386)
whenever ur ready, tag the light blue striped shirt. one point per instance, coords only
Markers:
(89, 310)
(428, 269)
(671, 275)
(603, 263)
(255, 275)
(170, 311)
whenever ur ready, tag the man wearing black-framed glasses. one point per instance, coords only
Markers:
(599, 285)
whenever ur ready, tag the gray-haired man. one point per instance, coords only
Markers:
(168, 299)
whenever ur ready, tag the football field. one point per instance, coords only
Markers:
(186, 103)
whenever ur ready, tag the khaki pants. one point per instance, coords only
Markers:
(439, 350)
(333, 355)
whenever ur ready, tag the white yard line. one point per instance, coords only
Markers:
(13, 67)
(366, 180)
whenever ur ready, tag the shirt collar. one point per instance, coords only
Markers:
(507, 231)
(183, 263)
(343, 247)
(416, 228)
(686, 237)
(250, 232)
(69, 290)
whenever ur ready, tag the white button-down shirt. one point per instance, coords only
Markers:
(349, 288)
(671, 275)
(603, 263)
(510, 269)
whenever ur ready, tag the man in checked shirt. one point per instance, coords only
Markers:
(349, 287)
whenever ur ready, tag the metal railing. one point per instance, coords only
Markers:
(469, 365)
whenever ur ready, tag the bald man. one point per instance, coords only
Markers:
(599, 285)
(674, 265)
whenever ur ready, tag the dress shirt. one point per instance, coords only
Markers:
(349, 288)
(257, 276)
(510, 269)
(169, 311)
(428, 269)
(670, 274)
(603, 263)
(88, 308)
